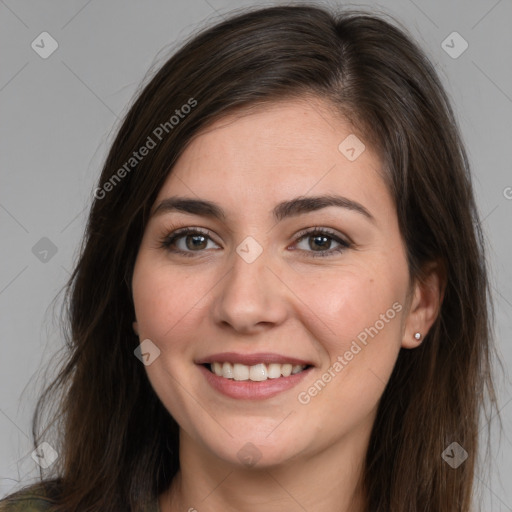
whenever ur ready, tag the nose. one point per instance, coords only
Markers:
(251, 297)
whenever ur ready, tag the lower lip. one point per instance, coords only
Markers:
(250, 390)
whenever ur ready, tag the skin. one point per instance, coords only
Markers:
(286, 301)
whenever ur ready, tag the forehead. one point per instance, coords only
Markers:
(290, 148)
(287, 131)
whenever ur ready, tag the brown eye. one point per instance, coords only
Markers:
(319, 243)
(193, 242)
(186, 241)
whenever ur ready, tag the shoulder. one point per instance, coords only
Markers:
(41, 496)
(34, 498)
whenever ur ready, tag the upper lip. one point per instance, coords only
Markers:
(251, 359)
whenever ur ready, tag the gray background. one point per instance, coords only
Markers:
(59, 115)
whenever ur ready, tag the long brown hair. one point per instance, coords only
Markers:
(118, 445)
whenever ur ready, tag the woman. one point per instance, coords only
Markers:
(281, 300)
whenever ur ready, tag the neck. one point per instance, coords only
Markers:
(329, 480)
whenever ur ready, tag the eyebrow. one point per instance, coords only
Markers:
(291, 208)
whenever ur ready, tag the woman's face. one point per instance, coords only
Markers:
(280, 279)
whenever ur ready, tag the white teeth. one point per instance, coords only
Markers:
(274, 371)
(257, 373)
(286, 370)
(296, 368)
(227, 371)
(240, 372)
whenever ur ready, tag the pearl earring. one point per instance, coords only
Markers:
(417, 336)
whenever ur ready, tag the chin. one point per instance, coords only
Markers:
(256, 451)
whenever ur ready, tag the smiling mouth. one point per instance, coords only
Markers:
(256, 373)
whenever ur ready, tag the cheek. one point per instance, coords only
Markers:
(354, 303)
(358, 332)
(167, 306)
(359, 335)
(162, 298)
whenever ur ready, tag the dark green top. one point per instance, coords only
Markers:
(34, 499)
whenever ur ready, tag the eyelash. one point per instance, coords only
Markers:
(167, 241)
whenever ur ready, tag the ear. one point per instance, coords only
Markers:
(427, 297)
(135, 326)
